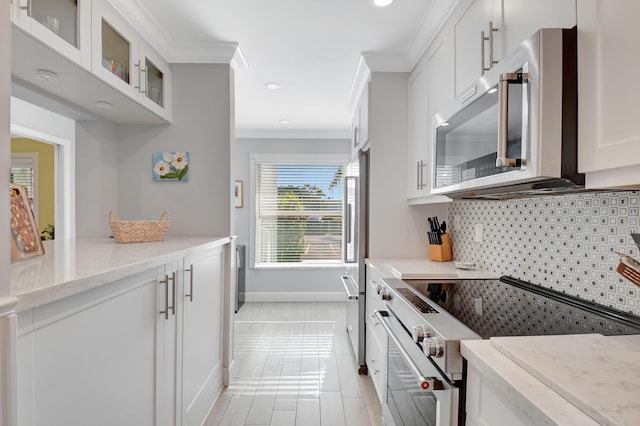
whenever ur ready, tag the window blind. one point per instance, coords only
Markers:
(298, 213)
(22, 173)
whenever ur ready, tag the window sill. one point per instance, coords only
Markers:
(297, 266)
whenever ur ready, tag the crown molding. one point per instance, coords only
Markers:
(433, 21)
(212, 53)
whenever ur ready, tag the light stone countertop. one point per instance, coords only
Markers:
(72, 266)
(596, 373)
(423, 269)
(581, 379)
(535, 402)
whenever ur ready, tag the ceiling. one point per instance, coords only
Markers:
(311, 47)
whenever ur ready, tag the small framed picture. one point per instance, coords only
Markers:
(25, 241)
(238, 193)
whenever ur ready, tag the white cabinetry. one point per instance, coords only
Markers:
(376, 339)
(466, 25)
(201, 335)
(360, 122)
(608, 126)
(62, 25)
(484, 31)
(91, 358)
(144, 350)
(122, 58)
(521, 18)
(429, 90)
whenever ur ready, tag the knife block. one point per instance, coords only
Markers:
(441, 252)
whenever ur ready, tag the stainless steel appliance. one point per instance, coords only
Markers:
(515, 131)
(240, 276)
(426, 320)
(354, 252)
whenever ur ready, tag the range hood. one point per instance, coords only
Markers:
(523, 190)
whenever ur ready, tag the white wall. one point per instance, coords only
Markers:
(202, 99)
(283, 284)
(5, 147)
(96, 177)
(395, 228)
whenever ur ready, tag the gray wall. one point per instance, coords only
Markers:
(96, 177)
(396, 229)
(283, 284)
(202, 123)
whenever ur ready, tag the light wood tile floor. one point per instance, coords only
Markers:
(293, 366)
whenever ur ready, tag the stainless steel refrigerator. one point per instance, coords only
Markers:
(354, 251)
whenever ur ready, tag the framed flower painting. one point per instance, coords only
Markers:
(171, 166)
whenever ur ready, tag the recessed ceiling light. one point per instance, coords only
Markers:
(46, 75)
(103, 105)
(272, 85)
(445, 124)
(284, 121)
(492, 90)
(381, 3)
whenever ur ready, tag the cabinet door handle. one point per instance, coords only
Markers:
(373, 365)
(166, 297)
(145, 71)
(190, 295)
(483, 39)
(139, 80)
(374, 319)
(174, 290)
(421, 183)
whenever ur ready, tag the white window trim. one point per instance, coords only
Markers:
(33, 122)
(257, 158)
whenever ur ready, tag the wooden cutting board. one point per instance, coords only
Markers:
(598, 374)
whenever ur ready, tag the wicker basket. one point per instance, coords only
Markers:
(138, 231)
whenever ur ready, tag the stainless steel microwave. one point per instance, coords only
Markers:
(515, 131)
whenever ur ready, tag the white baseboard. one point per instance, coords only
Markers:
(339, 296)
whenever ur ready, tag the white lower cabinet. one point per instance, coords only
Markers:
(144, 350)
(201, 335)
(90, 359)
(375, 336)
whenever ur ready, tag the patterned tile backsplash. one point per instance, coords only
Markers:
(565, 243)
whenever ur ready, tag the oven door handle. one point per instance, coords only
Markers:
(426, 383)
(346, 282)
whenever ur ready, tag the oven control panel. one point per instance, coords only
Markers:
(420, 304)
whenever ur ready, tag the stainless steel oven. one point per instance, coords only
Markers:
(417, 392)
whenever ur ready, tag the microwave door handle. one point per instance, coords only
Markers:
(426, 383)
(503, 126)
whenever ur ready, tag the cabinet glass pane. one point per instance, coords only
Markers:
(116, 51)
(60, 16)
(155, 83)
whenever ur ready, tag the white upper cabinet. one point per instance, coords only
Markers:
(521, 18)
(484, 31)
(360, 122)
(467, 24)
(609, 98)
(62, 25)
(429, 90)
(123, 59)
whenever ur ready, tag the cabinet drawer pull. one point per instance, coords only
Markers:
(166, 297)
(190, 295)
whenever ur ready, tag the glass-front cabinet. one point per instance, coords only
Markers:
(122, 58)
(63, 25)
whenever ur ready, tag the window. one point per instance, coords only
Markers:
(298, 213)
